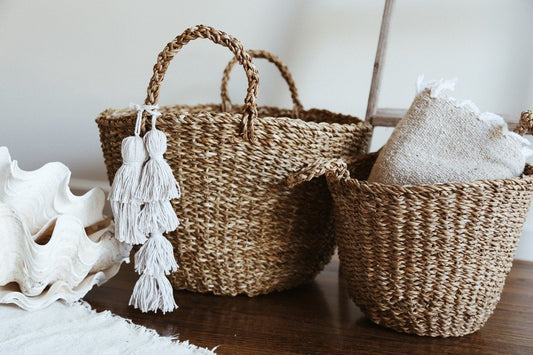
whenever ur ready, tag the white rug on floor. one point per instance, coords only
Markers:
(76, 329)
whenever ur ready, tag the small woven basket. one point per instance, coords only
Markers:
(243, 231)
(430, 259)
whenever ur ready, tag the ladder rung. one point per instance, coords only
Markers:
(389, 117)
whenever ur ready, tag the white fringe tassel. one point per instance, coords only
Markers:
(126, 228)
(155, 259)
(156, 256)
(157, 180)
(152, 293)
(124, 204)
(127, 177)
(157, 215)
(153, 290)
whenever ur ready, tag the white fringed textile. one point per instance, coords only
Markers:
(76, 329)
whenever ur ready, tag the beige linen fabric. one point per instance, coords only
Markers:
(441, 139)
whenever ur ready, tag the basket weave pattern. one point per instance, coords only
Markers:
(429, 259)
(243, 230)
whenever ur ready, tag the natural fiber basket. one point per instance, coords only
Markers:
(243, 231)
(429, 259)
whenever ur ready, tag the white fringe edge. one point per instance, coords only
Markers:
(150, 333)
(436, 87)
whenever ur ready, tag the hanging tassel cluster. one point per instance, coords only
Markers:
(124, 204)
(140, 198)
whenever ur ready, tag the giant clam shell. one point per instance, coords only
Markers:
(53, 244)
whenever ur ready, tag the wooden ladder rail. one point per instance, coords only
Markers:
(389, 117)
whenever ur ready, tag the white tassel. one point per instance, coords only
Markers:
(157, 180)
(157, 215)
(126, 216)
(156, 256)
(155, 259)
(152, 293)
(124, 204)
(127, 177)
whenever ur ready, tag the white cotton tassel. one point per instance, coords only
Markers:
(153, 261)
(156, 256)
(157, 180)
(126, 179)
(124, 204)
(152, 293)
(126, 216)
(157, 215)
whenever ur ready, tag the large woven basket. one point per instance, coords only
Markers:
(430, 259)
(243, 231)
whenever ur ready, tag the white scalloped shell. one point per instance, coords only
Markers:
(46, 251)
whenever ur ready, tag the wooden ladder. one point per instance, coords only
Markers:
(389, 117)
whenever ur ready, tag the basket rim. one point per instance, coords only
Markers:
(522, 182)
(206, 109)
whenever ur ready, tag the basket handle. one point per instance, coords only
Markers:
(285, 73)
(218, 37)
(525, 125)
(318, 168)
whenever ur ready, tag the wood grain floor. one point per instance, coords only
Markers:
(318, 318)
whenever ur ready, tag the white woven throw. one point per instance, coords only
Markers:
(76, 329)
(442, 139)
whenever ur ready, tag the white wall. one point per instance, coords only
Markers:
(62, 62)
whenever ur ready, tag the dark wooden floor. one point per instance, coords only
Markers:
(318, 318)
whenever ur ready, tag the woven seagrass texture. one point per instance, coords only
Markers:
(429, 259)
(243, 230)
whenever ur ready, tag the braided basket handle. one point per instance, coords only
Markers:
(217, 37)
(285, 73)
(525, 125)
(319, 167)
